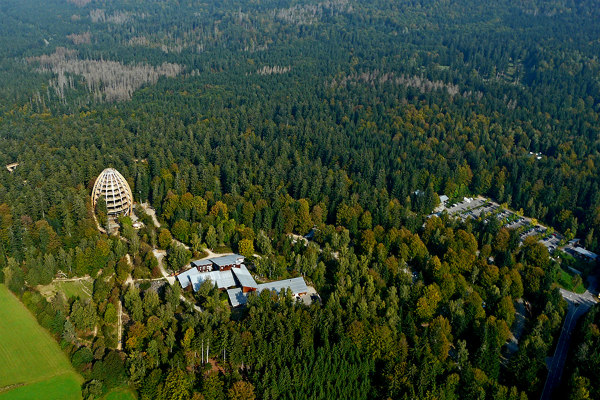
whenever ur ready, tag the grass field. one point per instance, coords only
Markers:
(66, 386)
(82, 289)
(120, 394)
(32, 366)
(565, 280)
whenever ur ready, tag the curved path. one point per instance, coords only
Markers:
(150, 211)
(579, 304)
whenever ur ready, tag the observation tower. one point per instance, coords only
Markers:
(116, 192)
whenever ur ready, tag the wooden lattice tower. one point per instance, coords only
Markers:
(116, 192)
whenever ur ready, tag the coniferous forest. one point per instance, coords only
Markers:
(246, 123)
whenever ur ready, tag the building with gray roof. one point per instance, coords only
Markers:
(585, 253)
(232, 274)
(229, 261)
(244, 278)
(296, 285)
(223, 279)
(203, 265)
(185, 278)
(237, 297)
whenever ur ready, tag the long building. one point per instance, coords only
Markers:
(217, 269)
(298, 287)
(229, 273)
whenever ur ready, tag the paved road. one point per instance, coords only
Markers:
(579, 304)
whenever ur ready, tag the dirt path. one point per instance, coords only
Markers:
(197, 308)
(150, 211)
(517, 328)
(160, 255)
(183, 244)
(83, 278)
(85, 289)
(120, 327)
(211, 254)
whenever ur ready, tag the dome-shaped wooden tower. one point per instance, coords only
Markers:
(116, 192)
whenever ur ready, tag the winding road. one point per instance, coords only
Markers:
(579, 304)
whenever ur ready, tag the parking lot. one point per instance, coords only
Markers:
(518, 223)
(551, 242)
(464, 207)
(486, 209)
(478, 207)
(536, 230)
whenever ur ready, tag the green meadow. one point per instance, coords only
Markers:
(120, 394)
(32, 365)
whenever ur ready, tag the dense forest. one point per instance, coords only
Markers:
(241, 122)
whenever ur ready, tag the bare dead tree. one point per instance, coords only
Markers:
(375, 77)
(80, 38)
(105, 80)
(268, 70)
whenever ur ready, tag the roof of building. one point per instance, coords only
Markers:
(237, 297)
(223, 279)
(228, 260)
(443, 198)
(243, 276)
(586, 253)
(310, 234)
(186, 277)
(297, 285)
(201, 263)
